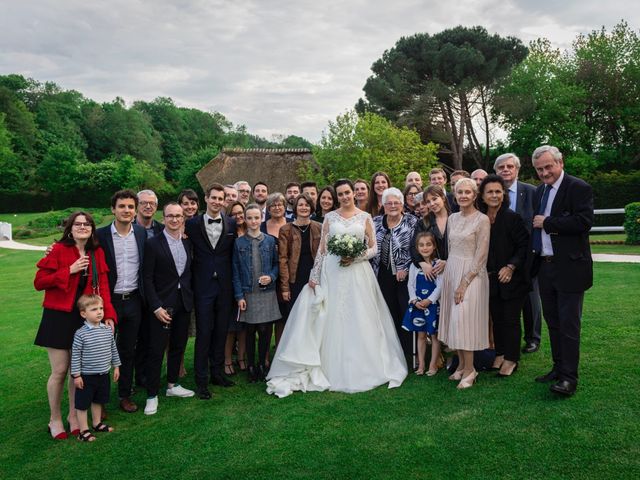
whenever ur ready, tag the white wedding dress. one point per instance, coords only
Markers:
(340, 337)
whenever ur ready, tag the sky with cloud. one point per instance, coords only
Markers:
(276, 66)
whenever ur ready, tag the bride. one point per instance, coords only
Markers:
(340, 334)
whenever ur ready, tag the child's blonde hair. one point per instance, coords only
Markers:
(85, 301)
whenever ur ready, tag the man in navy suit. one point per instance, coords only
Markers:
(167, 286)
(212, 236)
(123, 245)
(562, 258)
(521, 196)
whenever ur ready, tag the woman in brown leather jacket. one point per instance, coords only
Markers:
(297, 246)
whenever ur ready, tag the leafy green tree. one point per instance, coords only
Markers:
(58, 115)
(186, 175)
(111, 128)
(607, 67)
(20, 122)
(541, 103)
(183, 130)
(357, 146)
(13, 178)
(58, 170)
(586, 100)
(442, 85)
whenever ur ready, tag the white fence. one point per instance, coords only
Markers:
(604, 211)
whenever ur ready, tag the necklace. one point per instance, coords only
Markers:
(303, 230)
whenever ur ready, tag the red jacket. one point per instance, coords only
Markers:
(60, 286)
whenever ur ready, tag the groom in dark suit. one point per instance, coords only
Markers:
(212, 235)
(562, 257)
(521, 197)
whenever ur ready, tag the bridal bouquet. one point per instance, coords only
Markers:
(346, 246)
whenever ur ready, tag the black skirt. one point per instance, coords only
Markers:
(57, 328)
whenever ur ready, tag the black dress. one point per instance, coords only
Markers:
(57, 328)
(305, 263)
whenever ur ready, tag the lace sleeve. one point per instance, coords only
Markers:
(370, 240)
(483, 234)
(314, 276)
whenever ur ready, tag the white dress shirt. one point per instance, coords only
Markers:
(547, 247)
(125, 250)
(214, 230)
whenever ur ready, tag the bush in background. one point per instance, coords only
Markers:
(632, 223)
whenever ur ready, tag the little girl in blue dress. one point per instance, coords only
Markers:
(423, 311)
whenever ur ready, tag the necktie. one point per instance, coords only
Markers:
(537, 232)
(214, 220)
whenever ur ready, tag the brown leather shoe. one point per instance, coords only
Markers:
(128, 406)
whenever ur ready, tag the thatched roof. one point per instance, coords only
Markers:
(274, 166)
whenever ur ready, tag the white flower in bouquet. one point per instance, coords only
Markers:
(345, 246)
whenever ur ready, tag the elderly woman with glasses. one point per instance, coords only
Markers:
(276, 209)
(394, 231)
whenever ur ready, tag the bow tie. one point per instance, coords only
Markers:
(214, 220)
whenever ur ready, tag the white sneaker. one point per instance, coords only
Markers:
(179, 391)
(151, 408)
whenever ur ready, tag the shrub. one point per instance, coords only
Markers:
(632, 223)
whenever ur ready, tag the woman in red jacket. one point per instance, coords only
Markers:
(75, 266)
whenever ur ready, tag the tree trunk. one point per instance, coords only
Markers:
(485, 116)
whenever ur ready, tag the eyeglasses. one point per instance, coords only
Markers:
(393, 204)
(277, 205)
(82, 224)
(412, 194)
(174, 217)
(244, 191)
(148, 204)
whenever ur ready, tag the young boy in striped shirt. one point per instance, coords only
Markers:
(92, 355)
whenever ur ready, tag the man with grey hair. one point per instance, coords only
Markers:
(244, 191)
(147, 208)
(521, 197)
(478, 175)
(562, 258)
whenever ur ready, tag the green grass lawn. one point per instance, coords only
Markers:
(501, 428)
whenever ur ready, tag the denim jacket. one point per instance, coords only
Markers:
(243, 280)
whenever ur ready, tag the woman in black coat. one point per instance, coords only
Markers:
(508, 279)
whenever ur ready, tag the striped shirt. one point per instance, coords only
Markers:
(94, 350)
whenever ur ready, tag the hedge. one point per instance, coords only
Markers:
(23, 202)
(632, 223)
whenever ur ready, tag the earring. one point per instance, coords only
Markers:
(70, 236)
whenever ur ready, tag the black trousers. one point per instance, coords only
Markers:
(142, 347)
(396, 296)
(212, 323)
(532, 315)
(177, 336)
(129, 313)
(505, 315)
(562, 312)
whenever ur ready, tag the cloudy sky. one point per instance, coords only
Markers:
(276, 66)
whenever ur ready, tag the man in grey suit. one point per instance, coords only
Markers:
(521, 197)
